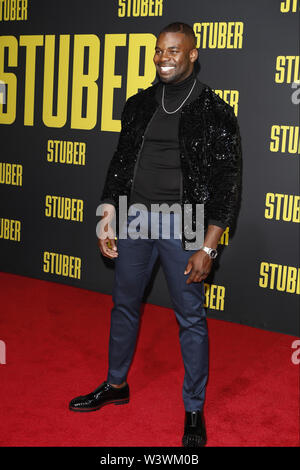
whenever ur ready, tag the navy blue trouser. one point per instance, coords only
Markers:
(133, 269)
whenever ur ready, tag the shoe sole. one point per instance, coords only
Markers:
(185, 444)
(115, 402)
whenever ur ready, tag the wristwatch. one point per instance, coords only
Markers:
(210, 251)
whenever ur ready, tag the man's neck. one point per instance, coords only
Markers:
(182, 84)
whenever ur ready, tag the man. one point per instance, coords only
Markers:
(179, 143)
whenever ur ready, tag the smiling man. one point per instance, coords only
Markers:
(179, 144)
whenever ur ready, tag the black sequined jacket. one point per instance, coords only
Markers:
(210, 155)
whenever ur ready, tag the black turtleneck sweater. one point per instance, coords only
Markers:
(158, 174)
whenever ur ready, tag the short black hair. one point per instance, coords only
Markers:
(179, 27)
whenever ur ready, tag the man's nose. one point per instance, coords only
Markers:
(164, 56)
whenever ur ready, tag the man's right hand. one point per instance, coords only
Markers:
(108, 247)
(106, 240)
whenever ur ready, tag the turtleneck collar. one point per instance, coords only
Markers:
(180, 86)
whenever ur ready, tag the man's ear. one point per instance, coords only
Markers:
(194, 55)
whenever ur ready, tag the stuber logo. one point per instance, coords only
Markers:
(2, 352)
(2, 92)
(296, 354)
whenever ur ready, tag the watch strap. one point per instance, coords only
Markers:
(210, 251)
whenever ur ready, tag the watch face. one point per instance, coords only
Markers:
(213, 253)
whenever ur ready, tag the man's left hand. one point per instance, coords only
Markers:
(199, 266)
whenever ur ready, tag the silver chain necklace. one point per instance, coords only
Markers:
(163, 99)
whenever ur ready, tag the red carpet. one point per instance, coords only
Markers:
(56, 340)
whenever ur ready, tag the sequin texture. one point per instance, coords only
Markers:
(210, 155)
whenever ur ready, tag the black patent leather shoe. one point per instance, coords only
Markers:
(105, 394)
(194, 429)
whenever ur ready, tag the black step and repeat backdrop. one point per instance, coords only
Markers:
(66, 69)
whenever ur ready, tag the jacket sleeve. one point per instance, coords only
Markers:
(226, 169)
(115, 181)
